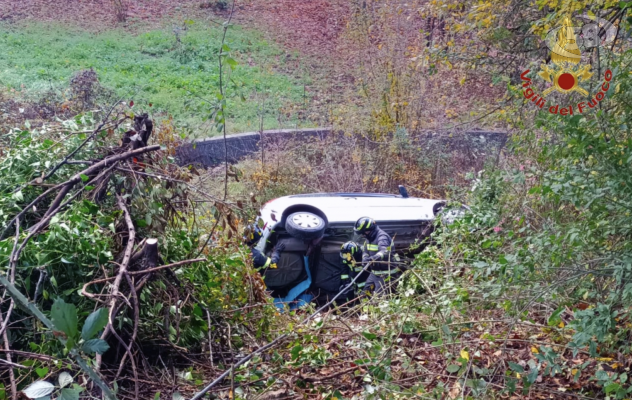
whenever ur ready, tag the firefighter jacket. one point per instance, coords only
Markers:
(260, 261)
(377, 250)
(356, 266)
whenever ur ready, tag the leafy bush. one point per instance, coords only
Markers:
(548, 238)
(66, 269)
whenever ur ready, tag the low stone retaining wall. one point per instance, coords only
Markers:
(213, 151)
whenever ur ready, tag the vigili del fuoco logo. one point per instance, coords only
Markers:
(566, 74)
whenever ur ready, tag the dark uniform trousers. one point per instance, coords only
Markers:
(383, 265)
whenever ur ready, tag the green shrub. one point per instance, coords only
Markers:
(71, 261)
(549, 236)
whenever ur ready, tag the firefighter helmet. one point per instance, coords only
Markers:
(364, 226)
(348, 250)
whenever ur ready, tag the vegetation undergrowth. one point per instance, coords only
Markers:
(70, 253)
(528, 295)
(426, 166)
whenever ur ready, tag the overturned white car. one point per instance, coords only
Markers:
(313, 227)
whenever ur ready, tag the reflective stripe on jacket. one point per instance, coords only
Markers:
(260, 261)
(377, 248)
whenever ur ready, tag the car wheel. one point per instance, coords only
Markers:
(305, 225)
(438, 207)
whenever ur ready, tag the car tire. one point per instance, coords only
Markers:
(438, 207)
(305, 225)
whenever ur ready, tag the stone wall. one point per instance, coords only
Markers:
(212, 152)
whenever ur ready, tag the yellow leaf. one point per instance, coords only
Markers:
(574, 371)
(534, 350)
(604, 359)
(465, 355)
(462, 81)
(561, 324)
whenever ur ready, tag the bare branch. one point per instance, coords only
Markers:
(89, 138)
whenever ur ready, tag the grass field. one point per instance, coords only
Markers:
(177, 73)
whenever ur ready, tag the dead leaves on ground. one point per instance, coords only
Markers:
(486, 351)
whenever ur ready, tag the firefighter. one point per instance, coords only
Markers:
(351, 254)
(260, 261)
(376, 252)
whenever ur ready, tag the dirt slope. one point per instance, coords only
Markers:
(94, 14)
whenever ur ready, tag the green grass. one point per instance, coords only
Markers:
(178, 79)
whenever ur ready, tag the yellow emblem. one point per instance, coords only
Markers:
(565, 56)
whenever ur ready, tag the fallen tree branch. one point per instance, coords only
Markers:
(92, 169)
(12, 365)
(172, 265)
(12, 265)
(26, 354)
(117, 281)
(40, 281)
(109, 161)
(5, 339)
(170, 179)
(89, 138)
(332, 376)
(199, 395)
(57, 201)
(5, 320)
(134, 334)
(44, 221)
(84, 292)
(28, 207)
